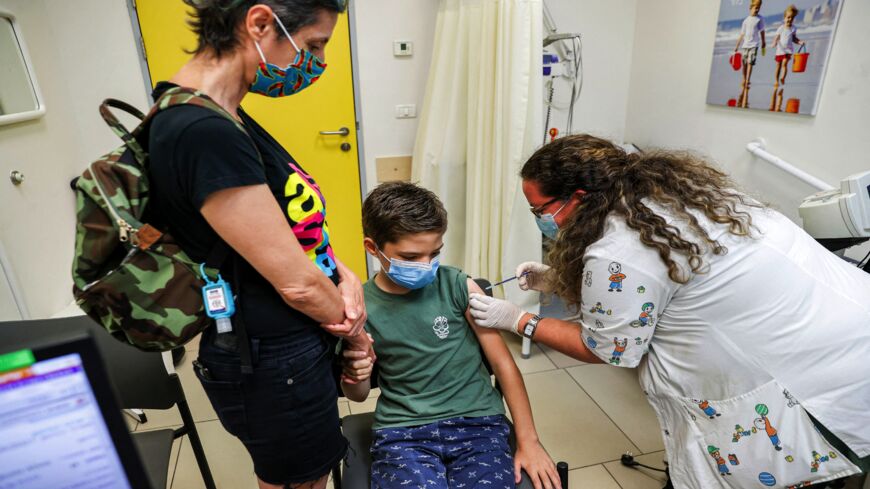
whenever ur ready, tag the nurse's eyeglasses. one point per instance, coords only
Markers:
(538, 211)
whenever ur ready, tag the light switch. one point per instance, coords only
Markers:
(406, 111)
(403, 48)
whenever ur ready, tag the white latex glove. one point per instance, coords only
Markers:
(535, 278)
(490, 312)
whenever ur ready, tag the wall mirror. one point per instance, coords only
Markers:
(20, 98)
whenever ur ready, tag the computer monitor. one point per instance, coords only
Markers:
(60, 425)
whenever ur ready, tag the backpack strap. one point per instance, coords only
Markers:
(119, 129)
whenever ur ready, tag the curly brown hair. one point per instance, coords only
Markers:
(618, 183)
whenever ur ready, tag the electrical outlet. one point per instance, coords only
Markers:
(406, 111)
(403, 48)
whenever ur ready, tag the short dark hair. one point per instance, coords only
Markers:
(396, 209)
(216, 22)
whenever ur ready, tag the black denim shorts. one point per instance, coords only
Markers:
(285, 413)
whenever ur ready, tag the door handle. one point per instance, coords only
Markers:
(341, 132)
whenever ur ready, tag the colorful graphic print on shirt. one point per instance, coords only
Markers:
(306, 209)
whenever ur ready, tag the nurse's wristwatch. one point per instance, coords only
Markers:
(530, 327)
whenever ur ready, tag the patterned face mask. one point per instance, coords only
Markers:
(272, 81)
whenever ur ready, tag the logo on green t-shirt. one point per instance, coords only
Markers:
(441, 328)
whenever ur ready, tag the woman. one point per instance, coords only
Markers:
(748, 334)
(212, 181)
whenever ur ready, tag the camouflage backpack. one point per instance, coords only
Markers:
(129, 276)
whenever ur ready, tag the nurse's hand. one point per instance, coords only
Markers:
(531, 276)
(490, 312)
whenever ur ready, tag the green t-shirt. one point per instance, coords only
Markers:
(428, 356)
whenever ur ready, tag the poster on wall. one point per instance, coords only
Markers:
(772, 54)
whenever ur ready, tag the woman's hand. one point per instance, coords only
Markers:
(532, 458)
(351, 292)
(531, 276)
(490, 312)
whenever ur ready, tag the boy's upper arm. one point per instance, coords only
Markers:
(490, 339)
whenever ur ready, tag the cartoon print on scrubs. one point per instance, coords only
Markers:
(720, 462)
(600, 309)
(307, 211)
(708, 410)
(588, 280)
(619, 350)
(641, 289)
(616, 277)
(792, 402)
(820, 459)
(739, 433)
(645, 318)
(763, 423)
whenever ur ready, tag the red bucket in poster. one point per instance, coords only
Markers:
(736, 61)
(799, 63)
(793, 105)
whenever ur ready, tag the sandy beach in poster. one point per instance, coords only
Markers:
(725, 82)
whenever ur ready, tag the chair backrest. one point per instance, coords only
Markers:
(139, 378)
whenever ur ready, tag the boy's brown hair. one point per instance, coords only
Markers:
(396, 209)
(792, 9)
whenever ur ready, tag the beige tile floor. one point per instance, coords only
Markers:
(586, 415)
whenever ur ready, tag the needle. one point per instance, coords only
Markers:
(507, 280)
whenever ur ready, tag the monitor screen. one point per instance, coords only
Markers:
(52, 431)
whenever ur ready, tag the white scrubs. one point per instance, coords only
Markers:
(733, 360)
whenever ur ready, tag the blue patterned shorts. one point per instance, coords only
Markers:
(462, 453)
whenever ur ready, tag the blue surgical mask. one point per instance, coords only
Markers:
(273, 81)
(547, 223)
(412, 275)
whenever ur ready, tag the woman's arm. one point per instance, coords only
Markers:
(562, 336)
(250, 221)
(530, 455)
(351, 291)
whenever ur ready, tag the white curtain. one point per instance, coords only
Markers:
(481, 120)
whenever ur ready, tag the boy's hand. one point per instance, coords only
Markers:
(357, 366)
(362, 342)
(532, 458)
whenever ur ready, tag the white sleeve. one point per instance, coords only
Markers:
(621, 305)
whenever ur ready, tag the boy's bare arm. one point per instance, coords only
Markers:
(530, 454)
(739, 40)
(356, 375)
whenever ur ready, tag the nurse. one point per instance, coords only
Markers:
(727, 307)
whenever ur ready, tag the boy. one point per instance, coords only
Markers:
(439, 422)
(786, 38)
(751, 32)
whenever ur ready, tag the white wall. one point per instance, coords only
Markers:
(607, 30)
(83, 52)
(670, 68)
(386, 80)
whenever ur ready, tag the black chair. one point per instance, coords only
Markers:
(355, 472)
(139, 379)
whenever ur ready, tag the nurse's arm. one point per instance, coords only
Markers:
(250, 221)
(562, 336)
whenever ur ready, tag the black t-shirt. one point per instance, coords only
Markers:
(195, 152)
